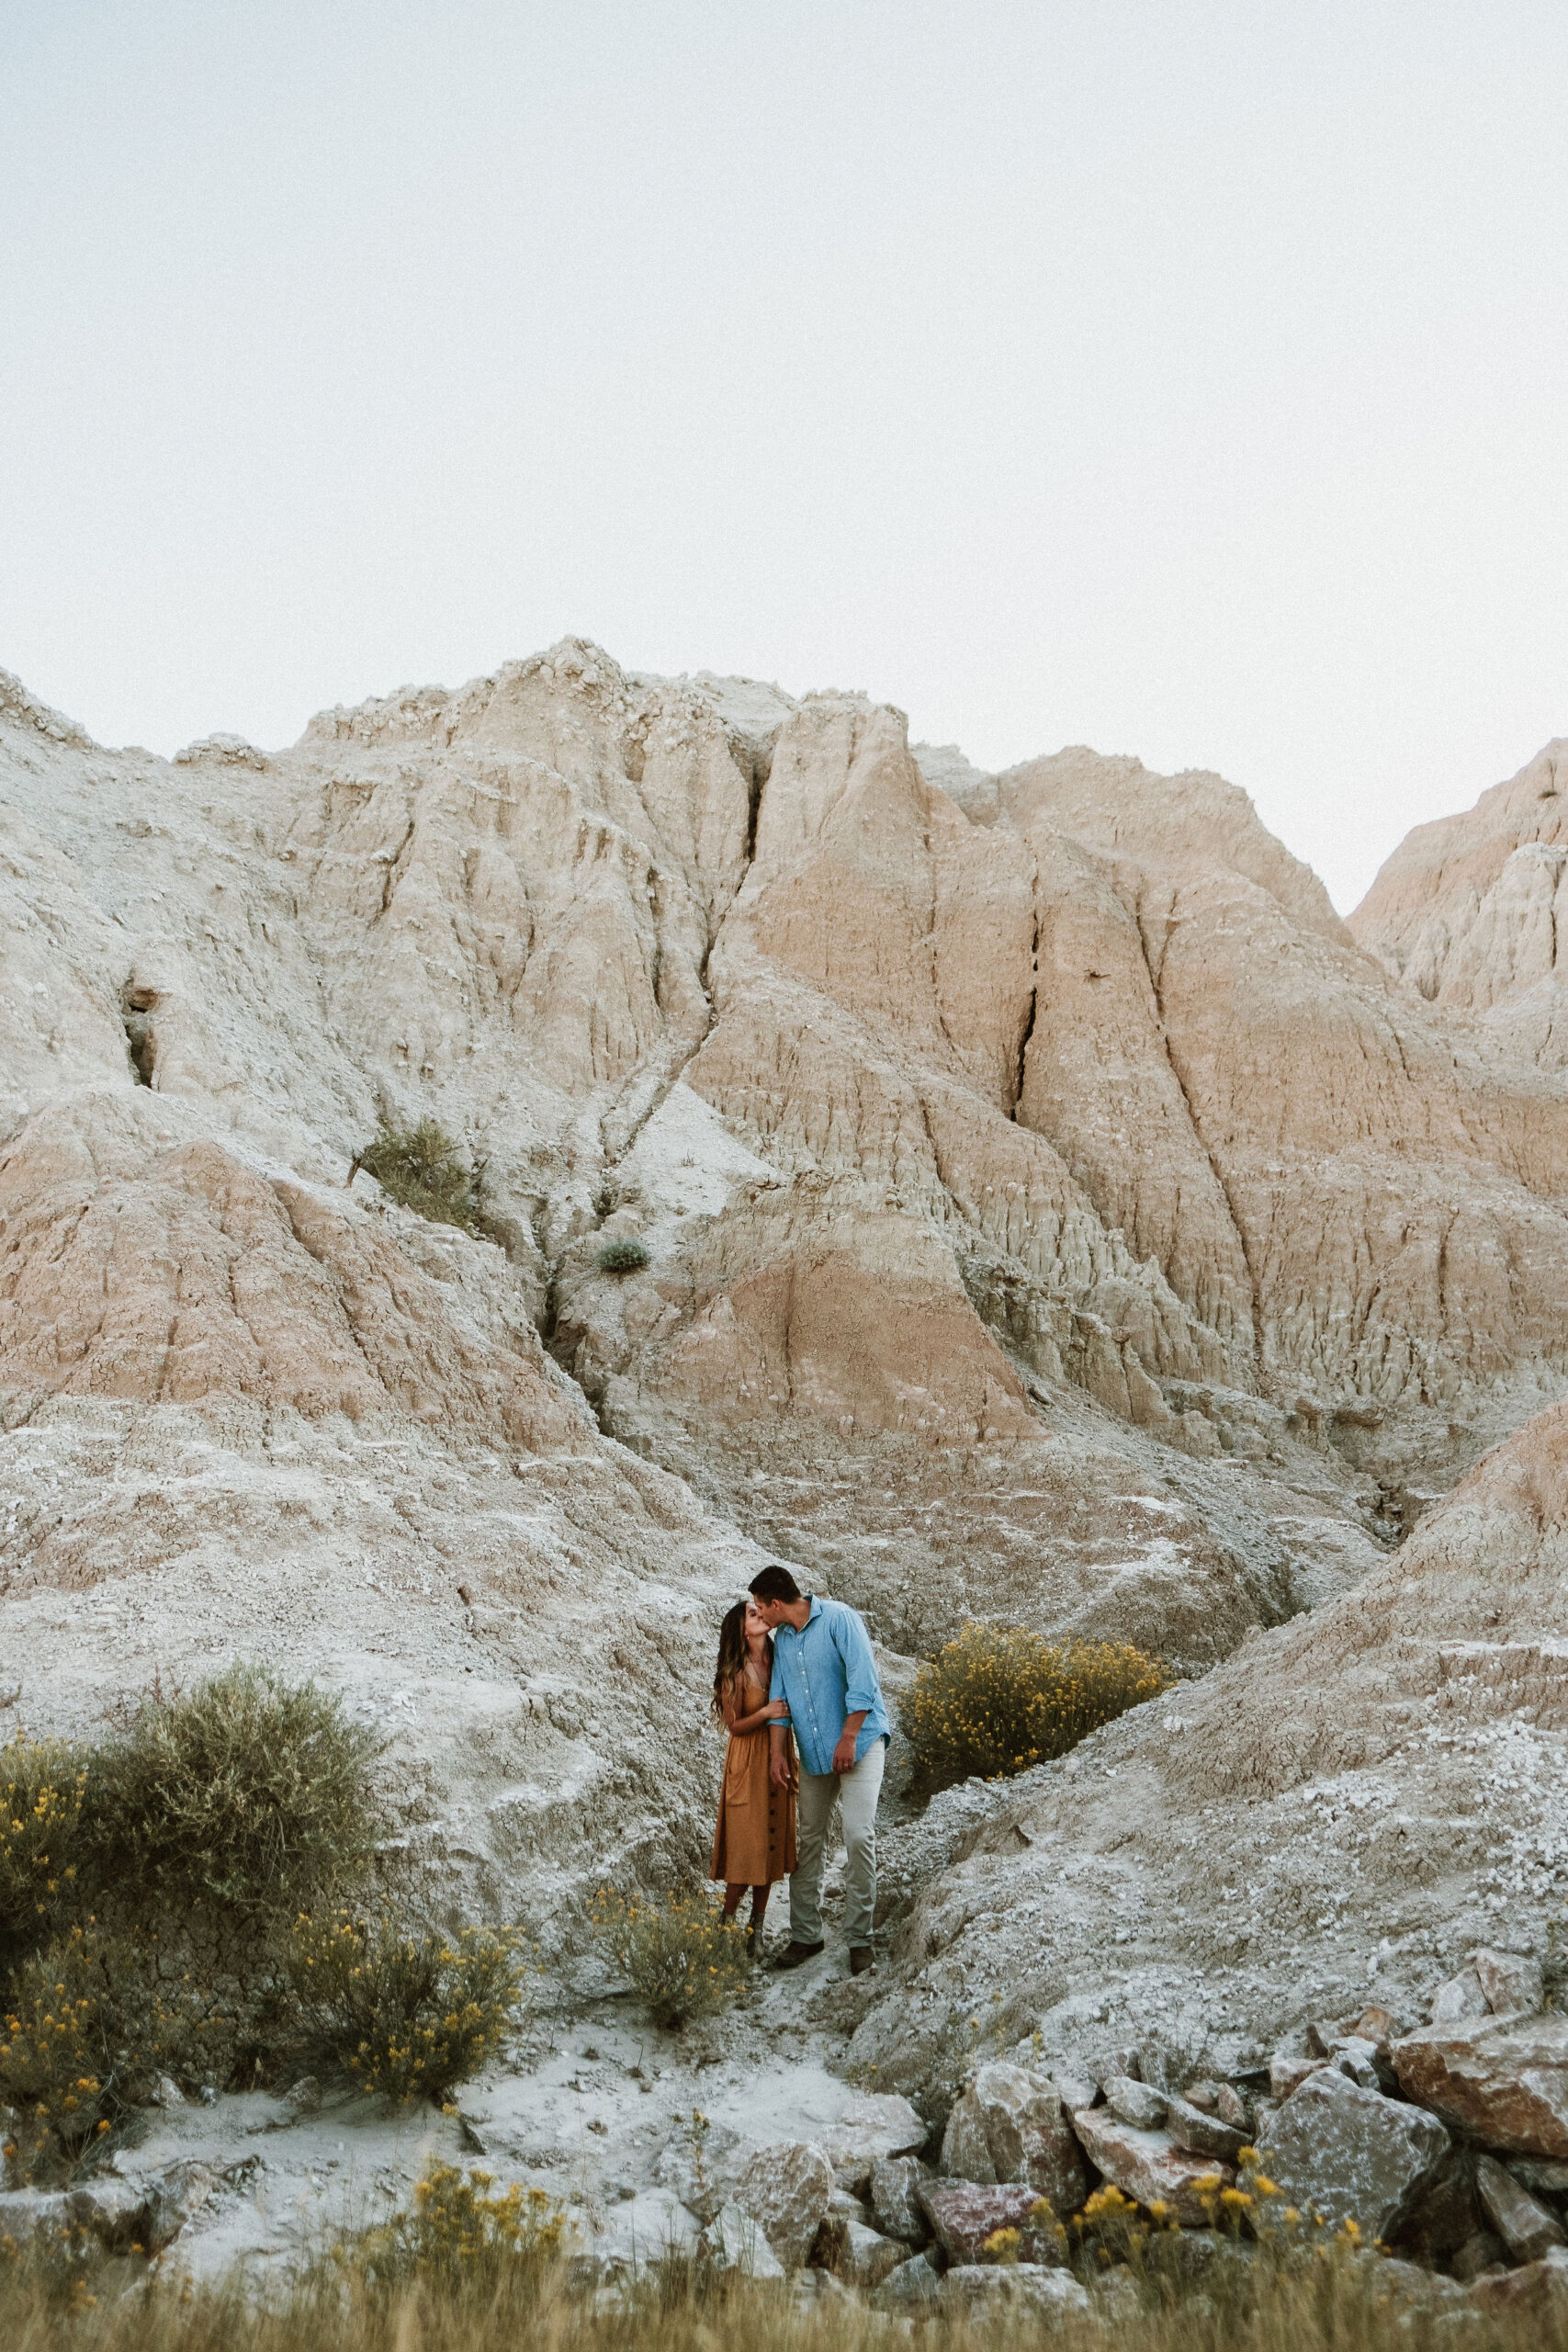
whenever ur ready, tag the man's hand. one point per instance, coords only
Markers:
(844, 1754)
(778, 1759)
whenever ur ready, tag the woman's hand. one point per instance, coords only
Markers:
(777, 1711)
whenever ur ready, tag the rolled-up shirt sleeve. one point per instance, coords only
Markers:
(863, 1691)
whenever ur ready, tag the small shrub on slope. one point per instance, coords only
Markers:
(401, 2014)
(420, 1169)
(245, 1792)
(1000, 1699)
(681, 1956)
(623, 1255)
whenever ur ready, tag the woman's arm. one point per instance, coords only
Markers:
(775, 1712)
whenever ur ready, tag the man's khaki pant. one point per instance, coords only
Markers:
(858, 1792)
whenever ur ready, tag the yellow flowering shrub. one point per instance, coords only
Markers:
(41, 1789)
(460, 2232)
(1000, 1699)
(83, 2031)
(402, 2014)
(684, 1958)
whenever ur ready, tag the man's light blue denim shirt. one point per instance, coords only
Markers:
(824, 1673)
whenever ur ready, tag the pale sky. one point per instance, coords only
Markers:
(1184, 378)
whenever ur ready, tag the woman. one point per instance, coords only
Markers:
(755, 1844)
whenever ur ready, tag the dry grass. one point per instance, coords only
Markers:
(443, 2304)
(1000, 1699)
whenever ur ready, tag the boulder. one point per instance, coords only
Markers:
(733, 2240)
(166, 2093)
(1134, 2102)
(964, 2214)
(1009, 2126)
(1358, 2061)
(1538, 2292)
(29, 2213)
(982, 2290)
(1149, 2167)
(1445, 2211)
(1288, 2069)
(1527, 2227)
(1460, 1997)
(912, 2287)
(704, 2174)
(1547, 2175)
(895, 2207)
(785, 2188)
(1480, 2251)
(875, 2124)
(301, 2100)
(143, 2214)
(1351, 2154)
(1513, 1982)
(1375, 2025)
(1191, 2127)
(1504, 2082)
(1230, 2106)
(862, 2258)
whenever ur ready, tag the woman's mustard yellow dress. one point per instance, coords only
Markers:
(754, 1843)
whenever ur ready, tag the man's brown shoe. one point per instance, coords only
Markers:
(794, 1953)
(861, 1959)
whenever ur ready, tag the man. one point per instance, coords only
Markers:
(824, 1672)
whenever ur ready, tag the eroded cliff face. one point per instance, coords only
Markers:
(1464, 914)
(1052, 1212)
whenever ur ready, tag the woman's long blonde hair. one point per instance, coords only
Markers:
(733, 1655)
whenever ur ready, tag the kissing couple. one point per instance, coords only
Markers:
(796, 1670)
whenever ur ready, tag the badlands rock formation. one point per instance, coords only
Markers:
(1464, 913)
(1053, 1210)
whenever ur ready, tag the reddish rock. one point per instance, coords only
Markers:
(1148, 2165)
(964, 2214)
(1009, 2126)
(1512, 1982)
(1538, 2292)
(1504, 2082)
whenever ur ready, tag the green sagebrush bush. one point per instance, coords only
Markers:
(420, 1167)
(684, 1958)
(1000, 1699)
(246, 1791)
(399, 2013)
(623, 1255)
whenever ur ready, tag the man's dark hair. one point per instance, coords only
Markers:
(774, 1584)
